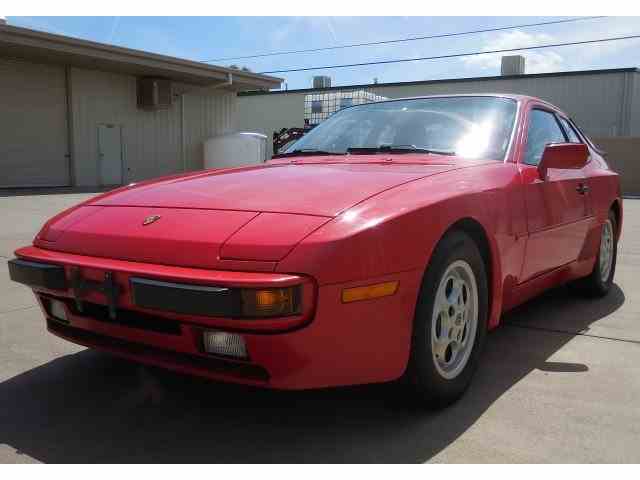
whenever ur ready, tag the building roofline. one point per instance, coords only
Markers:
(448, 80)
(27, 44)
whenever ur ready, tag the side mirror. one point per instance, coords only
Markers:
(563, 155)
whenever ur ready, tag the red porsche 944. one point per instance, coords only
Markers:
(382, 245)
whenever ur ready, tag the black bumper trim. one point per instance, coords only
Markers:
(124, 318)
(185, 298)
(197, 364)
(36, 274)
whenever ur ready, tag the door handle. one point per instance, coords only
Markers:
(582, 189)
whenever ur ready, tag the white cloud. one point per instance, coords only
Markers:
(609, 27)
(623, 53)
(536, 61)
(309, 32)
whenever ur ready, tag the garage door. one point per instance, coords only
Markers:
(33, 129)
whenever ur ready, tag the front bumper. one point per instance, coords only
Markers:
(367, 341)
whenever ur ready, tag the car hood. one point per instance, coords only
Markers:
(323, 189)
(210, 219)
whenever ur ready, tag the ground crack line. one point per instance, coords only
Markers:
(554, 330)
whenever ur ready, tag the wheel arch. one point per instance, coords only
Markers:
(617, 211)
(478, 233)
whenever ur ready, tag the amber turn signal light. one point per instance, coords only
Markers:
(369, 292)
(271, 302)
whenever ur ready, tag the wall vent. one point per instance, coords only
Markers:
(154, 93)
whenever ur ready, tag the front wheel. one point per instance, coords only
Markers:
(450, 321)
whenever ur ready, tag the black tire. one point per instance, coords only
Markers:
(426, 382)
(594, 285)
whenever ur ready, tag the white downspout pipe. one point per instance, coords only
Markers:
(227, 83)
(183, 151)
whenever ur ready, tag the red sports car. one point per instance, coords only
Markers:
(382, 245)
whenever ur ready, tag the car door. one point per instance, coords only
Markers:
(557, 208)
(573, 137)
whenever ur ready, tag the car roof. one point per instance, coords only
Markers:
(512, 96)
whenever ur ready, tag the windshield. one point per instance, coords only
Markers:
(473, 127)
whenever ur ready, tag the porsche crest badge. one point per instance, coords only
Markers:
(150, 219)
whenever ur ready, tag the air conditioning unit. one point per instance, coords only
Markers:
(321, 81)
(154, 93)
(512, 65)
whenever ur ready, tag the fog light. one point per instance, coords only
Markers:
(58, 311)
(223, 343)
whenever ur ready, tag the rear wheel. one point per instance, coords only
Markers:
(450, 322)
(599, 282)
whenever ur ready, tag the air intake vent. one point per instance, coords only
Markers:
(154, 93)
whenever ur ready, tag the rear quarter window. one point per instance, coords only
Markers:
(599, 151)
(572, 135)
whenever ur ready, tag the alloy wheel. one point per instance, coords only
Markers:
(455, 319)
(606, 250)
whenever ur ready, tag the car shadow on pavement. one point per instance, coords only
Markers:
(91, 407)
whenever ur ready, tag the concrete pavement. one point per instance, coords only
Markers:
(559, 382)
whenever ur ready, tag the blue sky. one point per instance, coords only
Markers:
(204, 38)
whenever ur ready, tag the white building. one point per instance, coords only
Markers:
(83, 114)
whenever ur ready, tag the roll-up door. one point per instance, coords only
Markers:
(33, 125)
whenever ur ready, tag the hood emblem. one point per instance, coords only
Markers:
(150, 219)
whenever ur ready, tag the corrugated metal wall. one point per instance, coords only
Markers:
(152, 140)
(206, 115)
(623, 155)
(269, 113)
(593, 100)
(635, 105)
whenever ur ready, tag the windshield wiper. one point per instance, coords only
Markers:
(305, 152)
(397, 149)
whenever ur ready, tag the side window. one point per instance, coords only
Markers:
(569, 130)
(543, 129)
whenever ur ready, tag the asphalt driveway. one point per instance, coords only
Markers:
(559, 382)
